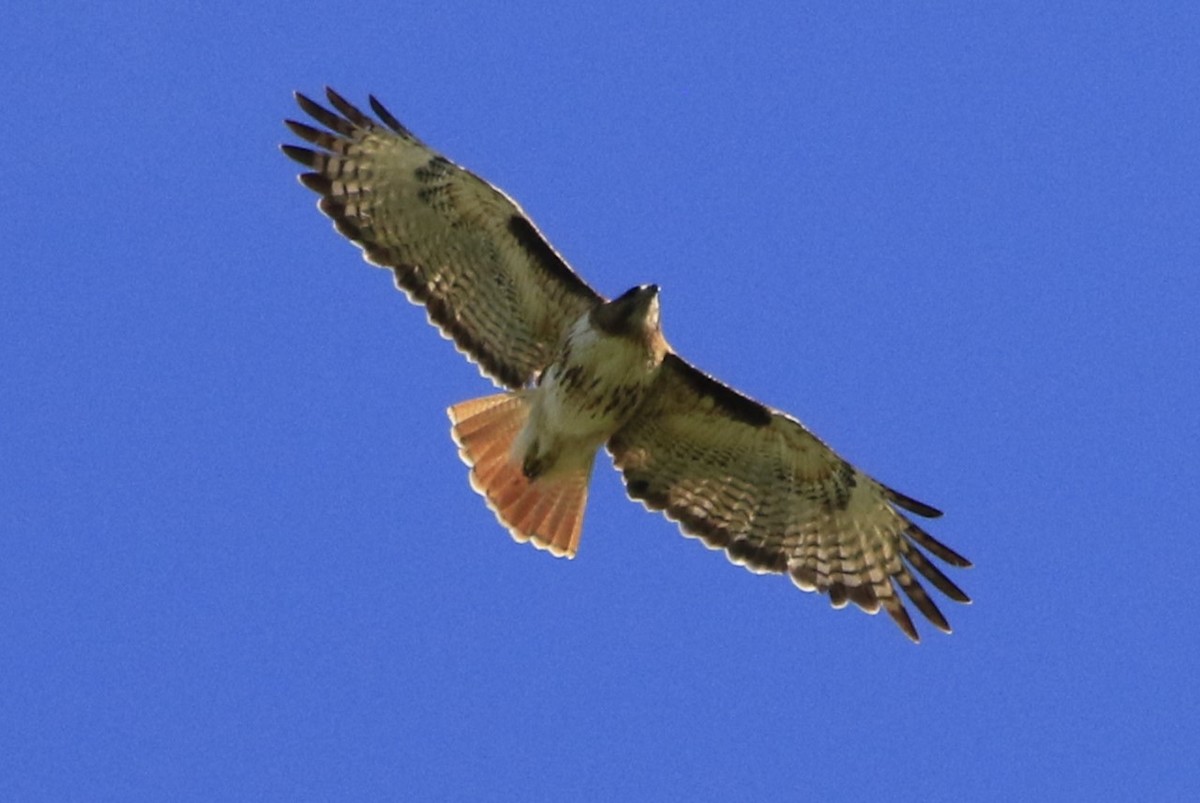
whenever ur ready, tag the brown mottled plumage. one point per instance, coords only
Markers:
(583, 372)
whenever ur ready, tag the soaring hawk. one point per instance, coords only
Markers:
(581, 372)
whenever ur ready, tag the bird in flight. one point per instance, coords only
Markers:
(580, 371)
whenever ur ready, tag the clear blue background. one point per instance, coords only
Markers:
(239, 557)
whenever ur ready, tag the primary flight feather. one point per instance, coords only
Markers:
(581, 372)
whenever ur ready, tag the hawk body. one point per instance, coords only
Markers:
(598, 379)
(581, 372)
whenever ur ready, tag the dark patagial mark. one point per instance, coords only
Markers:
(740, 407)
(544, 255)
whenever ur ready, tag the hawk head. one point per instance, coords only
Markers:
(632, 314)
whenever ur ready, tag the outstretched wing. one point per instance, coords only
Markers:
(456, 244)
(756, 483)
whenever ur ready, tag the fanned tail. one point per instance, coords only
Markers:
(547, 511)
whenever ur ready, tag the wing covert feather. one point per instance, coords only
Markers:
(488, 278)
(757, 484)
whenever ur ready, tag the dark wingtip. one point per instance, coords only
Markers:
(936, 547)
(305, 131)
(942, 623)
(931, 572)
(387, 117)
(900, 617)
(912, 505)
(302, 155)
(919, 597)
(315, 182)
(349, 110)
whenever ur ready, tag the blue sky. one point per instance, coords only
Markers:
(239, 556)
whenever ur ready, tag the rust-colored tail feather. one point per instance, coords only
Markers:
(547, 511)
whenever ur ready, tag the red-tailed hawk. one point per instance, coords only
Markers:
(582, 372)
